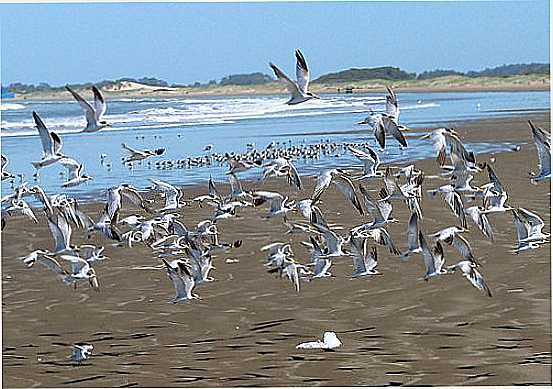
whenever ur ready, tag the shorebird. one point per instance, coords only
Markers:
(452, 236)
(279, 204)
(472, 275)
(370, 160)
(453, 200)
(387, 122)
(478, 216)
(5, 173)
(330, 342)
(75, 174)
(529, 229)
(139, 155)
(18, 207)
(114, 200)
(93, 113)
(413, 245)
(283, 167)
(182, 280)
(298, 89)
(172, 195)
(433, 260)
(381, 209)
(380, 235)
(81, 352)
(364, 261)
(51, 144)
(78, 269)
(343, 183)
(542, 140)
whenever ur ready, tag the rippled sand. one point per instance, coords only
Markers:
(396, 329)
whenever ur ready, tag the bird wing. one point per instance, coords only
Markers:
(462, 246)
(382, 237)
(100, 105)
(4, 161)
(475, 278)
(89, 112)
(72, 167)
(135, 197)
(212, 190)
(413, 232)
(61, 231)
(302, 72)
(535, 223)
(380, 132)
(392, 128)
(45, 137)
(293, 175)
(345, 186)
(52, 264)
(290, 85)
(427, 255)
(130, 149)
(455, 202)
(323, 182)
(392, 106)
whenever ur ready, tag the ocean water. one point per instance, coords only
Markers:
(183, 126)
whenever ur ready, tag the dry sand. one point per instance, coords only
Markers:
(395, 328)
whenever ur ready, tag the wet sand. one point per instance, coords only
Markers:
(396, 329)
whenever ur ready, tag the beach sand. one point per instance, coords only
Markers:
(395, 328)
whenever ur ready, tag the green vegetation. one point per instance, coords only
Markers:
(533, 75)
(352, 75)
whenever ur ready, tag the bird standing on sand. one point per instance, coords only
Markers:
(299, 88)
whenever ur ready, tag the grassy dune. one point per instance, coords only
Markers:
(448, 83)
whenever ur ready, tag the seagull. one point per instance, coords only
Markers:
(330, 342)
(453, 199)
(51, 144)
(172, 195)
(452, 236)
(283, 167)
(433, 260)
(5, 173)
(19, 207)
(481, 220)
(78, 270)
(382, 210)
(238, 166)
(333, 242)
(343, 183)
(542, 140)
(413, 245)
(529, 229)
(139, 155)
(81, 352)
(387, 122)
(182, 280)
(114, 200)
(469, 271)
(379, 235)
(298, 89)
(364, 261)
(370, 160)
(279, 205)
(75, 174)
(93, 113)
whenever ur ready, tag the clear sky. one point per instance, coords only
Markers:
(184, 43)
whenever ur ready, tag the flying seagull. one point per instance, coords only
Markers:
(297, 89)
(93, 113)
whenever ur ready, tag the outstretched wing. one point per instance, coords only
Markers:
(100, 105)
(302, 72)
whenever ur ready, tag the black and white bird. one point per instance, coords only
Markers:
(51, 144)
(529, 228)
(81, 352)
(5, 174)
(542, 140)
(299, 88)
(139, 155)
(93, 113)
(182, 279)
(75, 175)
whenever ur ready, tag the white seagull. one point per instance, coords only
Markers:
(51, 144)
(93, 113)
(299, 88)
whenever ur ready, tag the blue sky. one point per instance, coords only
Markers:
(184, 43)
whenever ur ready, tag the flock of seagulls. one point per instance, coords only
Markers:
(187, 253)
